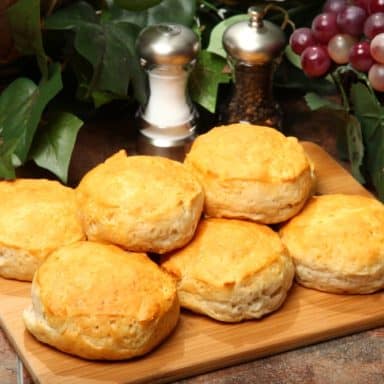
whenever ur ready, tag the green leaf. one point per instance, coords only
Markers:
(215, 42)
(375, 158)
(109, 46)
(290, 77)
(314, 102)
(7, 168)
(24, 19)
(55, 143)
(21, 106)
(125, 34)
(292, 57)
(205, 79)
(168, 11)
(355, 147)
(366, 107)
(370, 113)
(72, 17)
(137, 5)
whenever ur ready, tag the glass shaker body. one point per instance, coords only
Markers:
(252, 98)
(167, 121)
(168, 103)
(254, 48)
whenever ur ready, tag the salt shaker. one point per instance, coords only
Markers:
(253, 48)
(167, 122)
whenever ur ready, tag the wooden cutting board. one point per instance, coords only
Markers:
(200, 344)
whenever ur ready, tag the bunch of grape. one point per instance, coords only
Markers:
(346, 32)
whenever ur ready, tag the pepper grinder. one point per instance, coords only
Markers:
(253, 48)
(167, 122)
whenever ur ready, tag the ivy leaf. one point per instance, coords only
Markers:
(371, 116)
(24, 19)
(375, 159)
(7, 169)
(168, 11)
(215, 42)
(53, 146)
(355, 147)
(71, 17)
(21, 106)
(366, 107)
(136, 5)
(109, 46)
(205, 79)
(292, 57)
(315, 102)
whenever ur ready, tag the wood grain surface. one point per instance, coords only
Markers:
(200, 344)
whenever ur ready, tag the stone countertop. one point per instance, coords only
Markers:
(354, 359)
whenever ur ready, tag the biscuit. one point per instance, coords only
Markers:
(36, 217)
(142, 203)
(337, 244)
(98, 301)
(251, 172)
(232, 270)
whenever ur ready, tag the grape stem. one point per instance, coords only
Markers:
(286, 20)
(339, 84)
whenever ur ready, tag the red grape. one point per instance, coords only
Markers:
(300, 39)
(376, 6)
(377, 48)
(334, 6)
(374, 25)
(351, 20)
(376, 77)
(360, 56)
(339, 47)
(362, 4)
(324, 26)
(315, 61)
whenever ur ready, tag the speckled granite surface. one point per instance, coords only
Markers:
(8, 363)
(355, 359)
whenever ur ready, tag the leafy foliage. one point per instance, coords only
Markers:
(205, 79)
(92, 43)
(21, 107)
(24, 17)
(364, 126)
(54, 144)
(108, 45)
(370, 114)
(97, 45)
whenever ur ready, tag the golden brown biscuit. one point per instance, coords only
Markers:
(98, 301)
(36, 217)
(142, 203)
(337, 243)
(251, 172)
(232, 270)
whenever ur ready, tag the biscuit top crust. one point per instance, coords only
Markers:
(38, 215)
(127, 181)
(226, 252)
(88, 279)
(250, 152)
(338, 232)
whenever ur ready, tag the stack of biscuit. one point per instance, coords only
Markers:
(223, 234)
(113, 302)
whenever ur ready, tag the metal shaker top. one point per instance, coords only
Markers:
(255, 41)
(170, 44)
